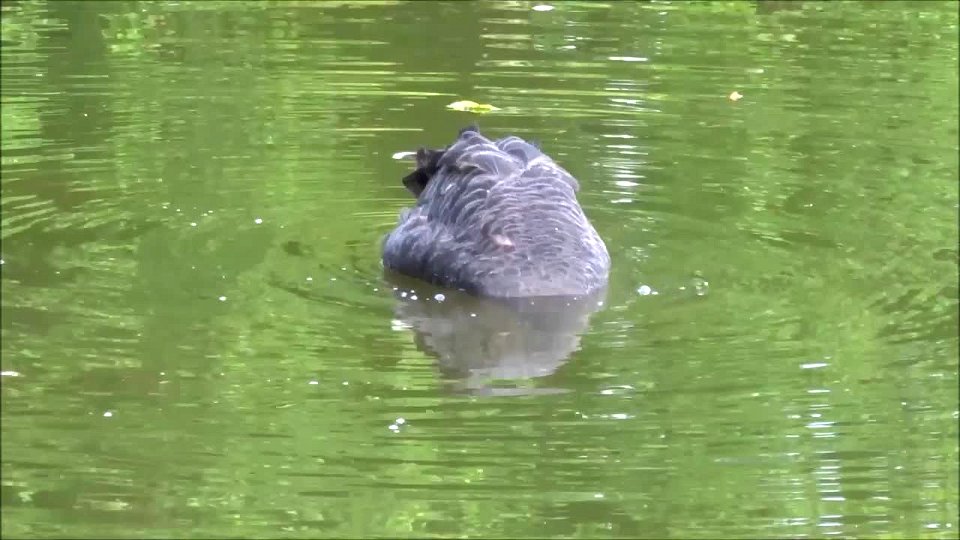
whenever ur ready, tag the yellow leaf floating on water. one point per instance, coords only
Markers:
(735, 96)
(472, 106)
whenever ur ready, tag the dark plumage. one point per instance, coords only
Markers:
(496, 218)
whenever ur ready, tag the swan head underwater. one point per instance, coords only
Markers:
(496, 218)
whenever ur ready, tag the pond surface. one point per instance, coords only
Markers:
(199, 341)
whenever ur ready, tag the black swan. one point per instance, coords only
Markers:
(496, 219)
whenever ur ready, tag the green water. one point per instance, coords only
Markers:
(198, 340)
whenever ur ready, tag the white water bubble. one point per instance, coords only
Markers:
(814, 365)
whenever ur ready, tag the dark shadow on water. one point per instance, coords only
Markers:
(494, 347)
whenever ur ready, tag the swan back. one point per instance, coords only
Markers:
(496, 218)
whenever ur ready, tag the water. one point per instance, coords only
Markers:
(198, 339)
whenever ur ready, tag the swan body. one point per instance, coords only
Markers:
(496, 218)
